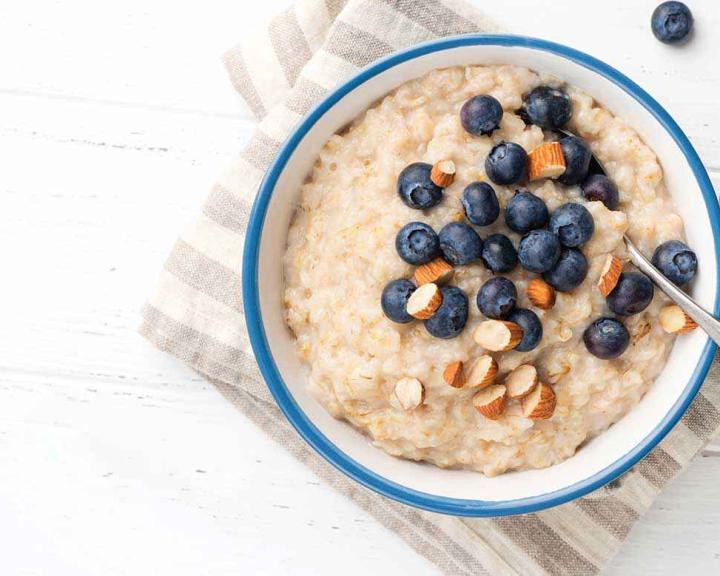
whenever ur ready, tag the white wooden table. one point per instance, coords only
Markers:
(115, 118)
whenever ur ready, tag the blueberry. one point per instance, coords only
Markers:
(577, 157)
(606, 338)
(573, 224)
(525, 212)
(497, 298)
(480, 203)
(417, 243)
(676, 261)
(548, 107)
(415, 187)
(532, 328)
(671, 22)
(599, 187)
(498, 253)
(394, 300)
(481, 115)
(632, 294)
(569, 272)
(450, 319)
(506, 163)
(459, 243)
(539, 250)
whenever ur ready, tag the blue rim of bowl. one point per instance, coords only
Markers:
(285, 400)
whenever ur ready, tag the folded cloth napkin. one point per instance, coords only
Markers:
(196, 313)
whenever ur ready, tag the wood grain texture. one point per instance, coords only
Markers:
(115, 459)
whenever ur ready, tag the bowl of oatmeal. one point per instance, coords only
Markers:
(436, 286)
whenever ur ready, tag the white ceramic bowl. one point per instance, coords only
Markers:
(458, 491)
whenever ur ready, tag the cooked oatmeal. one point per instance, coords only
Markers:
(341, 254)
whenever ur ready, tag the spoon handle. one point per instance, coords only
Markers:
(705, 320)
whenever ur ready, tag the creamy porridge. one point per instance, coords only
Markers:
(416, 395)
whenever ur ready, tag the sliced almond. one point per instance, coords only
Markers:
(546, 161)
(541, 294)
(540, 403)
(454, 375)
(521, 381)
(423, 303)
(490, 402)
(436, 271)
(498, 335)
(482, 372)
(443, 173)
(610, 274)
(674, 321)
(409, 393)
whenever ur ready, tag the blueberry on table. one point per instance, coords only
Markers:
(631, 295)
(573, 224)
(506, 163)
(394, 300)
(450, 318)
(672, 22)
(459, 243)
(497, 298)
(569, 272)
(531, 326)
(525, 212)
(577, 157)
(676, 261)
(539, 250)
(606, 338)
(415, 187)
(480, 203)
(481, 115)
(498, 253)
(416, 243)
(598, 187)
(548, 107)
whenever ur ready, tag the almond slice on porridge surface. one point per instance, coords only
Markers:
(436, 271)
(410, 393)
(540, 403)
(541, 294)
(498, 335)
(424, 302)
(482, 372)
(454, 375)
(490, 401)
(443, 173)
(546, 161)
(610, 274)
(521, 381)
(674, 320)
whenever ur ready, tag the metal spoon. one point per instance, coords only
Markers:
(704, 319)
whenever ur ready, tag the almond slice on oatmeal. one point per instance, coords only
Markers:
(609, 275)
(443, 173)
(453, 374)
(674, 320)
(540, 403)
(409, 393)
(546, 161)
(423, 303)
(498, 335)
(521, 381)
(482, 372)
(437, 271)
(490, 401)
(541, 294)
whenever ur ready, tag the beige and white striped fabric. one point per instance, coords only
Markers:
(196, 313)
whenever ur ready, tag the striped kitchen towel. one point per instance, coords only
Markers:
(196, 313)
